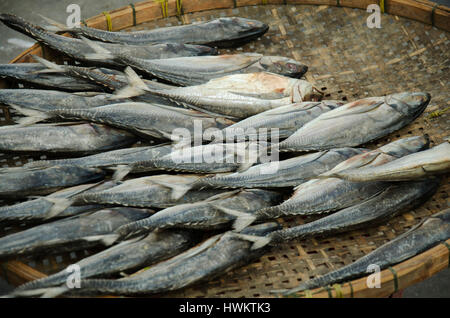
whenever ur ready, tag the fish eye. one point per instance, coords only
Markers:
(291, 66)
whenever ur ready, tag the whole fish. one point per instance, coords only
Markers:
(135, 159)
(237, 95)
(70, 234)
(414, 166)
(158, 191)
(79, 50)
(22, 182)
(222, 32)
(427, 234)
(287, 119)
(27, 73)
(41, 209)
(324, 195)
(358, 122)
(381, 207)
(125, 256)
(210, 158)
(285, 173)
(150, 120)
(195, 70)
(66, 138)
(215, 256)
(217, 212)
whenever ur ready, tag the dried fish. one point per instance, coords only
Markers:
(21, 182)
(79, 50)
(428, 233)
(324, 195)
(358, 122)
(381, 207)
(160, 191)
(217, 212)
(222, 32)
(66, 138)
(126, 256)
(414, 166)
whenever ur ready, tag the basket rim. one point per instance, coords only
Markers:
(408, 272)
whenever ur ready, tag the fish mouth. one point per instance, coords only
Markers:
(413, 103)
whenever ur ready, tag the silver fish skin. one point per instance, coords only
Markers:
(358, 122)
(46, 100)
(79, 50)
(213, 257)
(22, 182)
(388, 203)
(69, 234)
(240, 95)
(287, 119)
(414, 166)
(25, 73)
(217, 212)
(42, 209)
(210, 158)
(159, 191)
(125, 256)
(151, 120)
(285, 173)
(427, 234)
(318, 196)
(222, 32)
(136, 158)
(196, 70)
(61, 138)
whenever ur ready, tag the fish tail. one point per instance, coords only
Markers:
(135, 87)
(51, 67)
(32, 116)
(100, 52)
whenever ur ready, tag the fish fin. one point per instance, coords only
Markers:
(59, 205)
(134, 79)
(178, 190)
(54, 291)
(221, 196)
(242, 219)
(120, 172)
(100, 52)
(269, 96)
(32, 116)
(135, 87)
(361, 109)
(54, 25)
(258, 241)
(52, 67)
(106, 239)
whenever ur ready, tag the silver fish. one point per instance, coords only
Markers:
(287, 119)
(237, 96)
(135, 159)
(285, 173)
(428, 233)
(151, 120)
(213, 257)
(217, 212)
(41, 209)
(381, 207)
(79, 50)
(196, 70)
(22, 182)
(158, 191)
(125, 256)
(324, 195)
(27, 73)
(358, 122)
(222, 32)
(414, 166)
(69, 234)
(66, 138)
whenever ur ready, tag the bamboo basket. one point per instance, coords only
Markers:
(348, 61)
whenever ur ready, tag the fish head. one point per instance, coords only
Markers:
(412, 104)
(244, 27)
(283, 65)
(406, 146)
(14, 22)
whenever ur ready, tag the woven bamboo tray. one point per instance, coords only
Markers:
(348, 61)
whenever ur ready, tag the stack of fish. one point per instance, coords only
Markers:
(130, 170)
